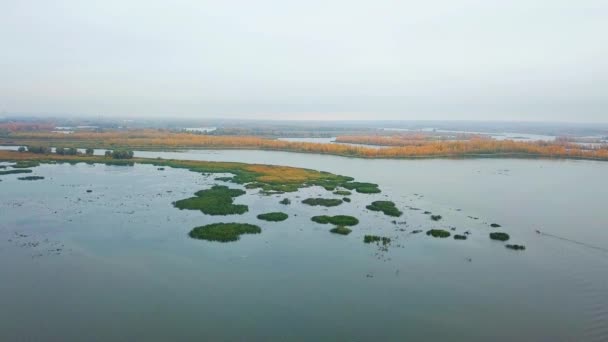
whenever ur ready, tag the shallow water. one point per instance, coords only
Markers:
(117, 263)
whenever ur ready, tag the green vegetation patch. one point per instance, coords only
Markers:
(8, 172)
(338, 220)
(499, 236)
(341, 230)
(495, 225)
(215, 201)
(268, 178)
(375, 238)
(516, 247)
(25, 164)
(274, 216)
(285, 201)
(387, 207)
(342, 192)
(436, 217)
(346, 199)
(223, 232)
(224, 179)
(438, 233)
(30, 178)
(326, 202)
(460, 237)
(360, 187)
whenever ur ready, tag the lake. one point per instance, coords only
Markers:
(117, 263)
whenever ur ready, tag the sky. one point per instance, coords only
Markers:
(528, 60)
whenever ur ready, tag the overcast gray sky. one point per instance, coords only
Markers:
(380, 59)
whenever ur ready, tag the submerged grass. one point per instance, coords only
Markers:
(30, 178)
(375, 238)
(223, 232)
(340, 230)
(215, 201)
(387, 207)
(338, 220)
(9, 172)
(516, 247)
(25, 164)
(273, 217)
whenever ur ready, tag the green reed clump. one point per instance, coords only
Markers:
(273, 217)
(387, 207)
(223, 232)
(338, 220)
(215, 201)
(438, 233)
(499, 236)
(326, 202)
(341, 230)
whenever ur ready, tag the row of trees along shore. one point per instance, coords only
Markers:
(71, 151)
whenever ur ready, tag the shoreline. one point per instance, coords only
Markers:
(502, 155)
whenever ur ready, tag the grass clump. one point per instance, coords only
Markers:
(30, 178)
(460, 237)
(25, 164)
(516, 247)
(387, 207)
(273, 217)
(495, 225)
(285, 201)
(340, 230)
(375, 238)
(326, 202)
(223, 232)
(215, 201)
(342, 192)
(224, 179)
(360, 187)
(499, 236)
(438, 233)
(436, 217)
(346, 199)
(338, 220)
(8, 172)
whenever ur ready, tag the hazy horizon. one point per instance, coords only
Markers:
(338, 60)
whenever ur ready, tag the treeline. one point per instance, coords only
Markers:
(119, 154)
(72, 151)
(417, 148)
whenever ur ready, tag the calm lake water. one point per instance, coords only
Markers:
(117, 264)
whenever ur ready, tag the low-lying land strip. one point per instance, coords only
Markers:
(266, 177)
(410, 148)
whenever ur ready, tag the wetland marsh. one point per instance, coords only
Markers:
(125, 254)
